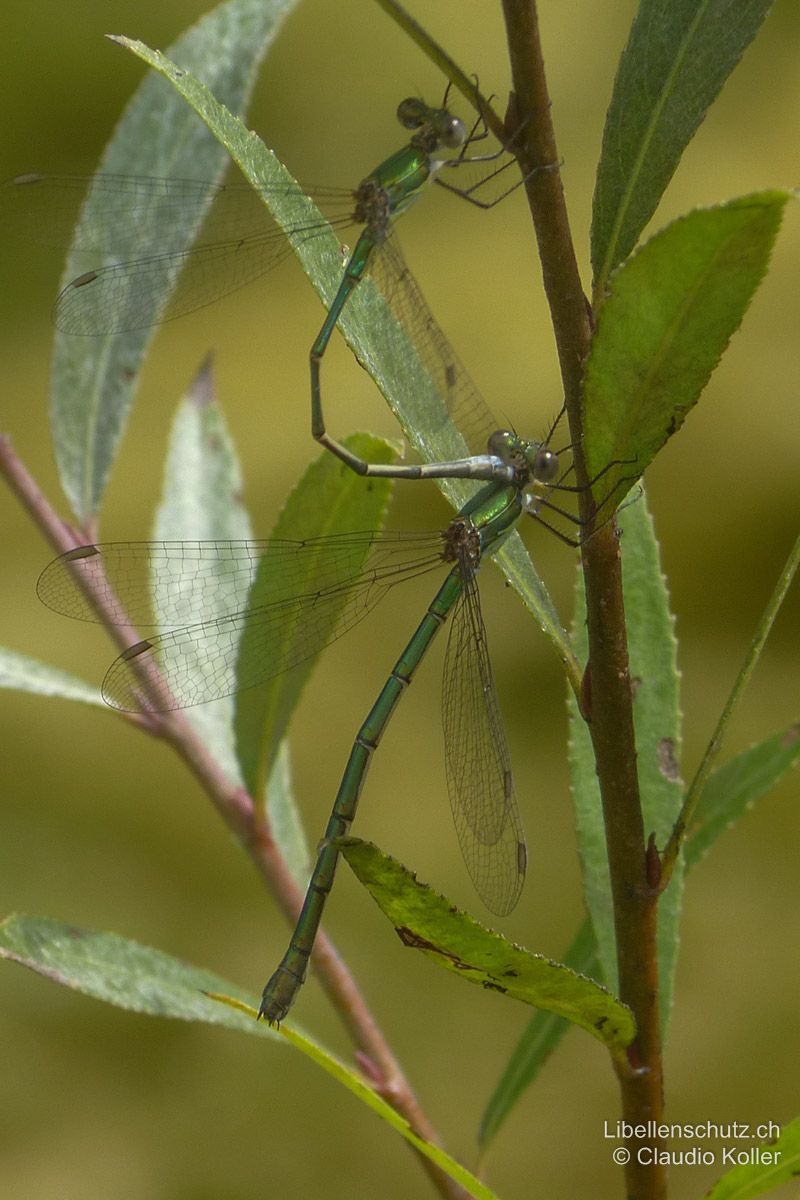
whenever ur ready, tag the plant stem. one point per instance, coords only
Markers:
(635, 896)
(250, 828)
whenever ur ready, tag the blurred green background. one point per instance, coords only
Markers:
(104, 829)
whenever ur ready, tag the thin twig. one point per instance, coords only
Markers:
(449, 68)
(695, 789)
(251, 830)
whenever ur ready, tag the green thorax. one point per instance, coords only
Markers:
(391, 188)
(398, 181)
(492, 513)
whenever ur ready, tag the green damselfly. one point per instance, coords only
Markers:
(182, 665)
(140, 224)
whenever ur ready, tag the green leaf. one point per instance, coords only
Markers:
(94, 378)
(729, 792)
(355, 1084)
(112, 968)
(761, 633)
(201, 501)
(671, 311)
(329, 499)
(678, 56)
(369, 327)
(136, 978)
(29, 675)
(774, 1163)
(657, 723)
(652, 649)
(429, 922)
(285, 825)
(201, 495)
(542, 1034)
(736, 786)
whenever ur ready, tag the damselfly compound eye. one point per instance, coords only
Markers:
(454, 134)
(411, 113)
(545, 465)
(503, 443)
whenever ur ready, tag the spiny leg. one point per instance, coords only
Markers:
(506, 148)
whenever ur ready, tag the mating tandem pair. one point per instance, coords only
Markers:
(352, 572)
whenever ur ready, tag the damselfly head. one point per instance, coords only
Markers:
(442, 127)
(534, 458)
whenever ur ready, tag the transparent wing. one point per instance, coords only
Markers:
(477, 761)
(292, 599)
(141, 224)
(465, 404)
